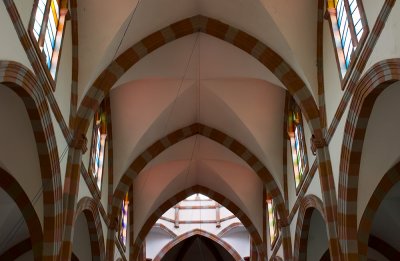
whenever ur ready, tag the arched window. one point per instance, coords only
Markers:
(98, 145)
(272, 221)
(46, 28)
(123, 222)
(297, 142)
(349, 29)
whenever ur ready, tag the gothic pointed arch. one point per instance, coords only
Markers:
(308, 205)
(197, 232)
(88, 207)
(16, 192)
(199, 129)
(389, 180)
(232, 207)
(251, 45)
(373, 83)
(22, 81)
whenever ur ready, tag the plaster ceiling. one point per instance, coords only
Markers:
(127, 22)
(148, 106)
(196, 79)
(224, 174)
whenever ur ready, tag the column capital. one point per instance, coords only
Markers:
(317, 142)
(79, 142)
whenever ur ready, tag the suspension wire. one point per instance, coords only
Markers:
(200, 249)
(126, 28)
(35, 199)
(119, 45)
(180, 85)
(173, 107)
(199, 82)
(197, 107)
(198, 116)
(13, 232)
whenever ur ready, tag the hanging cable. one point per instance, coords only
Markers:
(174, 103)
(180, 85)
(119, 45)
(20, 222)
(11, 235)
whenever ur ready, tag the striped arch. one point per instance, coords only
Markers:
(197, 232)
(251, 45)
(16, 192)
(380, 76)
(211, 194)
(389, 180)
(22, 81)
(308, 205)
(88, 207)
(230, 143)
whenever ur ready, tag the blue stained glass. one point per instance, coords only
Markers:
(345, 31)
(39, 18)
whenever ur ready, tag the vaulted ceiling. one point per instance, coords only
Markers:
(197, 79)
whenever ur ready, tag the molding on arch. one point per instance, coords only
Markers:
(389, 180)
(229, 228)
(11, 186)
(23, 82)
(307, 206)
(88, 207)
(374, 82)
(197, 232)
(167, 231)
(211, 194)
(249, 44)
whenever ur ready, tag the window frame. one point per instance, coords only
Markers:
(270, 201)
(331, 15)
(124, 203)
(292, 107)
(51, 72)
(100, 128)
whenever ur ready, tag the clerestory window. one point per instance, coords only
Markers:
(272, 221)
(99, 137)
(123, 222)
(297, 142)
(349, 29)
(46, 28)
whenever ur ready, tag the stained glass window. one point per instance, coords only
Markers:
(297, 142)
(123, 221)
(344, 31)
(272, 221)
(351, 26)
(47, 30)
(98, 146)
